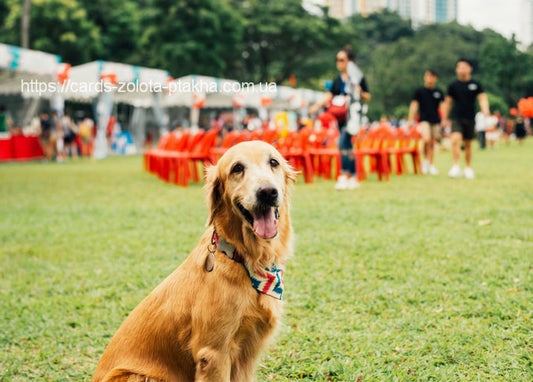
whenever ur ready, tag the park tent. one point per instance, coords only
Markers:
(129, 84)
(196, 91)
(33, 75)
(104, 83)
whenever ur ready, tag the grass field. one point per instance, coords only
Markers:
(417, 279)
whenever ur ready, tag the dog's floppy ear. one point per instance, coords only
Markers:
(290, 173)
(213, 188)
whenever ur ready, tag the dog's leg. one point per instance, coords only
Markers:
(212, 365)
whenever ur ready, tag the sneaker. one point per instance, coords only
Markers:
(455, 172)
(433, 170)
(342, 183)
(469, 173)
(425, 167)
(353, 183)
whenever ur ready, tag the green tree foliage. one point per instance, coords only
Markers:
(119, 27)
(504, 68)
(497, 104)
(368, 33)
(58, 26)
(279, 39)
(4, 10)
(193, 36)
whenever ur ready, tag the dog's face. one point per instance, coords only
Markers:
(250, 183)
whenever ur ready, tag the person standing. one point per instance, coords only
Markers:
(427, 99)
(349, 89)
(47, 136)
(481, 129)
(5, 120)
(462, 94)
(520, 128)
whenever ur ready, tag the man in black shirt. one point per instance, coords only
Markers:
(427, 99)
(463, 93)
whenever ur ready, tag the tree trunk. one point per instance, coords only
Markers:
(25, 24)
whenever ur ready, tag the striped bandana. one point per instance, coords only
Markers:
(268, 281)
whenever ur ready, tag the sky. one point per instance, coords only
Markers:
(504, 16)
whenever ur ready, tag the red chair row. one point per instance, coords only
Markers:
(295, 148)
(179, 154)
(380, 148)
(324, 151)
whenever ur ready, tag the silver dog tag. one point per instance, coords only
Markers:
(210, 262)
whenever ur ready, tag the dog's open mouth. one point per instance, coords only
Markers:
(264, 220)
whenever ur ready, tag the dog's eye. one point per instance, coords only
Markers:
(237, 168)
(274, 163)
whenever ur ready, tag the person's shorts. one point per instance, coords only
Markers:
(69, 138)
(467, 127)
(430, 129)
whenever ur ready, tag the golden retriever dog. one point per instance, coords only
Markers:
(211, 318)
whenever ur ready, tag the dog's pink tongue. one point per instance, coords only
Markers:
(265, 223)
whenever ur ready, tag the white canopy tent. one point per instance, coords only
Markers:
(110, 82)
(33, 75)
(195, 92)
(19, 65)
(282, 97)
(133, 85)
(201, 91)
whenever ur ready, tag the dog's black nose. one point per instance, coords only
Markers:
(267, 195)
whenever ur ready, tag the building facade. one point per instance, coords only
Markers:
(419, 11)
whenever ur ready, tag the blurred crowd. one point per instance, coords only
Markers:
(63, 137)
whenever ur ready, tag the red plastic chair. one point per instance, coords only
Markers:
(294, 147)
(405, 143)
(369, 145)
(270, 135)
(391, 149)
(230, 139)
(325, 154)
(201, 152)
(151, 161)
(168, 163)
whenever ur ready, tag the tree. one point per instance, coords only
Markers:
(119, 28)
(4, 11)
(503, 67)
(195, 36)
(497, 104)
(58, 26)
(375, 30)
(279, 39)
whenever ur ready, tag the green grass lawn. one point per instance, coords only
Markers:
(396, 281)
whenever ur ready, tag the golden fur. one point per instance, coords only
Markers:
(211, 326)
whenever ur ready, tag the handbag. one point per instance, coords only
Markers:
(338, 107)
